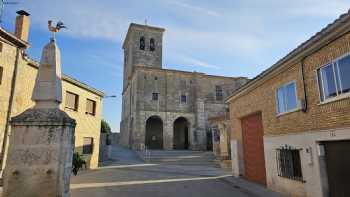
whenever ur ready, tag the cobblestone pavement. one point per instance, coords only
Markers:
(131, 177)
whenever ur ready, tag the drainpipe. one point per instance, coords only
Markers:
(304, 107)
(10, 106)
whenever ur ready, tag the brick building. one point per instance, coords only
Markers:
(291, 123)
(17, 78)
(163, 108)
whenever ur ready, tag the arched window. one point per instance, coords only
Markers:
(142, 43)
(152, 45)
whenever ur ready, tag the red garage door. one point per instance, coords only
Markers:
(253, 149)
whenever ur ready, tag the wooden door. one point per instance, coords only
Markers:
(253, 149)
(338, 168)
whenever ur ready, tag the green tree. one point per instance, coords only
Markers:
(105, 128)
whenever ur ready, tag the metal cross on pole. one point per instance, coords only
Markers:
(2, 7)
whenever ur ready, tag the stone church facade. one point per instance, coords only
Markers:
(163, 108)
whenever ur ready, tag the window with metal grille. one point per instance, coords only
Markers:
(289, 164)
(183, 99)
(90, 107)
(72, 101)
(155, 96)
(1, 72)
(219, 95)
(88, 145)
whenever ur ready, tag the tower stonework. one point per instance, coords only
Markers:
(163, 108)
(142, 47)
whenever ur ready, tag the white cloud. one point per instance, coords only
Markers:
(190, 7)
(190, 61)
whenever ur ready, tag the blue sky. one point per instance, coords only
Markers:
(224, 37)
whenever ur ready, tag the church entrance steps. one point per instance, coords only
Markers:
(180, 157)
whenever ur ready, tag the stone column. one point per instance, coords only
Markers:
(199, 134)
(41, 144)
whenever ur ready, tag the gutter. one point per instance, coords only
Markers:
(304, 107)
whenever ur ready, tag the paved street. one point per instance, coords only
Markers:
(130, 177)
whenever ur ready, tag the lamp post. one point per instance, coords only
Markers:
(111, 96)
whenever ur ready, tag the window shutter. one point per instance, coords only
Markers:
(71, 100)
(90, 106)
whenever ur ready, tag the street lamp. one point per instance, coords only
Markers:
(111, 96)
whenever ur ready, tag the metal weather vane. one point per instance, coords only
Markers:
(2, 7)
(54, 29)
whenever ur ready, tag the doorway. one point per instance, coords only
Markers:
(154, 133)
(253, 148)
(181, 133)
(338, 171)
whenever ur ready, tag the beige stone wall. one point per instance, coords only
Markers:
(87, 125)
(7, 61)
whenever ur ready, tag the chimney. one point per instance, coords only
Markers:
(22, 25)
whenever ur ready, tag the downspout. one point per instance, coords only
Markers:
(304, 104)
(10, 106)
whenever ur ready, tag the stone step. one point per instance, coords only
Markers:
(180, 157)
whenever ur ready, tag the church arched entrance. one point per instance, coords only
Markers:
(181, 133)
(154, 133)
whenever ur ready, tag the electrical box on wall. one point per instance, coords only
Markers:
(309, 158)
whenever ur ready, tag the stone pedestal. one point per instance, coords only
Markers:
(41, 145)
(39, 160)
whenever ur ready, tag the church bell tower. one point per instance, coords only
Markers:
(142, 47)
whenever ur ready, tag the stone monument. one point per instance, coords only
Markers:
(41, 144)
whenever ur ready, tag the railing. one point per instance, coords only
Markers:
(146, 153)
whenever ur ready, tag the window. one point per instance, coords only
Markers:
(90, 107)
(152, 45)
(218, 90)
(155, 96)
(72, 101)
(288, 163)
(183, 99)
(142, 43)
(286, 98)
(1, 72)
(88, 145)
(156, 78)
(334, 78)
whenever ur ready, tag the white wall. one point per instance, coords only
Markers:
(315, 184)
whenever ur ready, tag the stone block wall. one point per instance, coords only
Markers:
(170, 85)
(7, 62)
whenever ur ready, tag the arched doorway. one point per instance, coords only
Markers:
(181, 133)
(154, 133)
